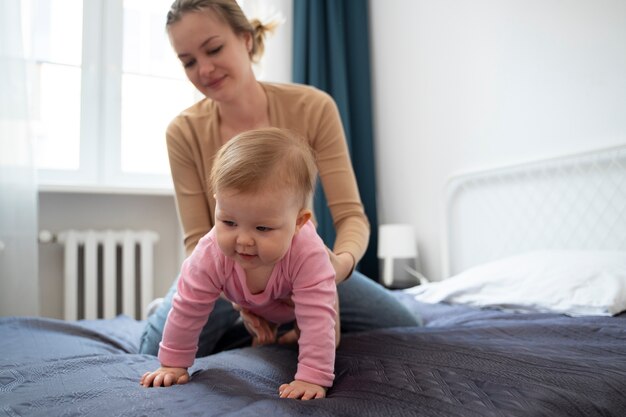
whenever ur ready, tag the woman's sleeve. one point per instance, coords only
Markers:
(339, 182)
(191, 204)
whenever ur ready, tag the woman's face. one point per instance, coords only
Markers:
(216, 60)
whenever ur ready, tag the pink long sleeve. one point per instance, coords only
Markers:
(304, 275)
(197, 290)
(315, 314)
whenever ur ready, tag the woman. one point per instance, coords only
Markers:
(216, 45)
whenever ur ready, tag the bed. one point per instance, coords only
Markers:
(475, 355)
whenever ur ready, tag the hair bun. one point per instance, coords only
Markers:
(261, 30)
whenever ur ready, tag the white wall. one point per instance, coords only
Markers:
(462, 85)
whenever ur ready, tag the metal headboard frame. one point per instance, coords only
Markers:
(571, 202)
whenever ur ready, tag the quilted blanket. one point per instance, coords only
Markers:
(462, 362)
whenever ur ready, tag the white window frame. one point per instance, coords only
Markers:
(100, 132)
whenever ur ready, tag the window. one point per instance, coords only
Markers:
(56, 48)
(149, 70)
(104, 85)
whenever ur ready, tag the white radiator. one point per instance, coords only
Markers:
(107, 273)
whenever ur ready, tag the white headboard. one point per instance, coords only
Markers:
(572, 202)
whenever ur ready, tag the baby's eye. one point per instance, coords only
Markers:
(228, 223)
(263, 228)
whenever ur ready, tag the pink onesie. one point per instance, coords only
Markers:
(304, 275)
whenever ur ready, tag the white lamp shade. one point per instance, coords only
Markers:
(396, 241)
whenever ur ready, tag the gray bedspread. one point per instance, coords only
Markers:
(463, 362)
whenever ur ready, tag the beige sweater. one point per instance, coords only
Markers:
(193, 138)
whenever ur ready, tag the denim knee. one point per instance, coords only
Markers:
(366, 305)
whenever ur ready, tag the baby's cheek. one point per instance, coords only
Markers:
(223, 242)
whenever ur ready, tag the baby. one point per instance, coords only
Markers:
(264, 255)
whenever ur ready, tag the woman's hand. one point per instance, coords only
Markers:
(301, 390)
(165, 376)
(343, 264)
(263, 332)
(291, 337)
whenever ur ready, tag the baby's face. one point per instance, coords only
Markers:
(255, 229)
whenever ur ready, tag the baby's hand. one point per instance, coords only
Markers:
(301, 390)
(165, 376)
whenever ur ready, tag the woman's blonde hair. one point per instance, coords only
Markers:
(268, 157)
(230, 12)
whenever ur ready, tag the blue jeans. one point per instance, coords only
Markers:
(363, 305)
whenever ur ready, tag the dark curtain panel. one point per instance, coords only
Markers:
(331, 52)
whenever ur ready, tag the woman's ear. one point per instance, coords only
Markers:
(247, 37)
(303, 217)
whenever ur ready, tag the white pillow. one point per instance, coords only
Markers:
(570, 282)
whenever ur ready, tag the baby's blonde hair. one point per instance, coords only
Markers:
(268, 157)
(230, 12)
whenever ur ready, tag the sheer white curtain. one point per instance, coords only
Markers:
(19, 289)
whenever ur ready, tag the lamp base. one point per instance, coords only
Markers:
(395, 272)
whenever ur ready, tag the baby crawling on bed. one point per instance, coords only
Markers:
(264, 255)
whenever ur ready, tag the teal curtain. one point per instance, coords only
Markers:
(331, 52)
